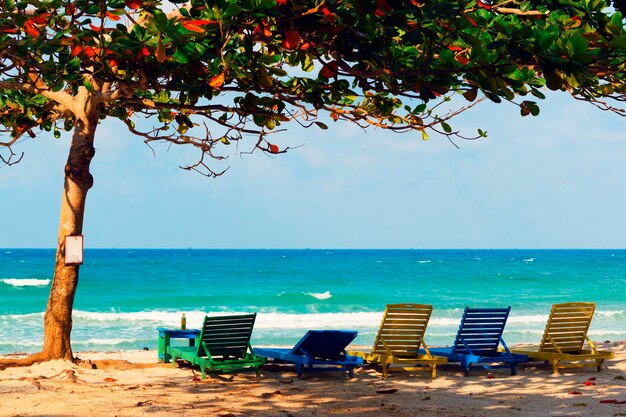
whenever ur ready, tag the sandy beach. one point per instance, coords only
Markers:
(119, 384)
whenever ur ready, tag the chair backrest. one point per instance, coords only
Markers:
(324, 344)
(480, 330)
(226, 335)
(567, 327)
(402, 329)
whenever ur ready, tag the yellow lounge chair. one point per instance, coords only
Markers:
(399, 338)
(564, 337)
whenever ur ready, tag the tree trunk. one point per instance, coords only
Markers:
(78, 181)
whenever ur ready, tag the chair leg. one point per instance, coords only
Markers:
(599, 363)
(555, 366)
(466, 366)
(433, 371)
(385, 365)
(513, 370)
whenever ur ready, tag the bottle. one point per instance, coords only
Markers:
(183, 322)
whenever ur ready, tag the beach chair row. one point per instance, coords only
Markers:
(224, 343)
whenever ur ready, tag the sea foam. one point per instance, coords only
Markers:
(320, 295)
(25, 282)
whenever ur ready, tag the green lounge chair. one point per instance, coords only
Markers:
(223, 346)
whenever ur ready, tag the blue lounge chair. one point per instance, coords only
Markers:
(318, 350)
(477, 341)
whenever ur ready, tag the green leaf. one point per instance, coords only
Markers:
(321, 125)
(88, 86)
(180, 56)
(420, 108)
(446, 127)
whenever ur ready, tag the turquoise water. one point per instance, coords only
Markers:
(124, 295)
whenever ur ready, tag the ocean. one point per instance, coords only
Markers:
(125, 294)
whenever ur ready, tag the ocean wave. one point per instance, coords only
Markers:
(21, 343)
(425, 261)
(263, 320)
(320, 295)
(113, 341)
(25, 282)
(610, 313)
(275, 320)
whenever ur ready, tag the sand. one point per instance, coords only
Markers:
(133, 384)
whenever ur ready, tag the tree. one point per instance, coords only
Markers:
(207, 73)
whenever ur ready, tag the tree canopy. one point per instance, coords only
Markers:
(248, 66)
(207, 73)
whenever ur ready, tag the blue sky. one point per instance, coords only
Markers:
(553, 181)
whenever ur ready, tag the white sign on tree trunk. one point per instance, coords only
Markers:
(73, 250)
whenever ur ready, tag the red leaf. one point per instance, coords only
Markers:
(191, 27)
(330, 70)
(76, 49)
(462, 59)
(91, 51)
(589, 383)
(217, 81)
(9, 30)
(113, 17)
(274, 148)
(593, 378)
(483, 5)
(31, 29)
(281, 3)
(109, 379)
(444, 25)
(266, 30)
(469, 19)
(133, 4)
(575, 393)
(70, 9)
(454, 48)
(291, 39)
(113, 62)
(145, 51)
(608, 401)
(379, 13)
(328, 15)
(41, 19)
(202, 22)
(95, 28)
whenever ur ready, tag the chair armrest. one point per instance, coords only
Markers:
(554, 344)
(423, 343)
(591, 345)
